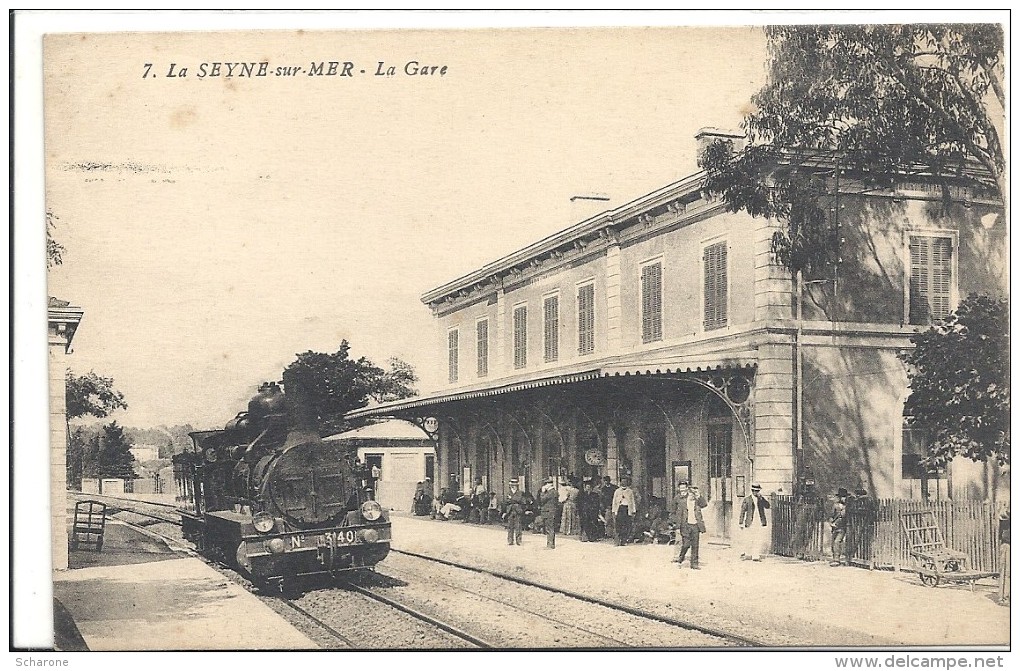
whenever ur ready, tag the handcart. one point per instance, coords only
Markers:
(89, 525)
(935, 561)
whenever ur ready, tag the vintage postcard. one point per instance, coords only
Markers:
(678, 336)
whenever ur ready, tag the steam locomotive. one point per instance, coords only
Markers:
(266, 494)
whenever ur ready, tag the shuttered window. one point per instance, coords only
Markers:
(931, 278)
(715, 286)
(551, 330)
(521, 336)
(453, 338)
(586, 319)
(482, 331)
(651, 302)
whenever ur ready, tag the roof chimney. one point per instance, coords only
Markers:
(706, 136)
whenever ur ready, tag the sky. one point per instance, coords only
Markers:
(215, 227)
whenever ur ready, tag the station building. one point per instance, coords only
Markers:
(660, 341)
(398, 454)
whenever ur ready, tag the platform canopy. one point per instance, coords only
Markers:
(622, 366)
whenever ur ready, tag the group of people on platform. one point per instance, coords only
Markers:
(593, 510)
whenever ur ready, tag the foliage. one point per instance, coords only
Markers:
(77, 441)
(336, 384)
(54, 250)
(99, 452)
(880, 99)
(91, 395)
(959, 382)
(114, 456)
(170, 440)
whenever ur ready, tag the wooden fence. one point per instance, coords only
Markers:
(874, 536)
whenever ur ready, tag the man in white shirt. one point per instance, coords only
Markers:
(687, 515)
(625, 504)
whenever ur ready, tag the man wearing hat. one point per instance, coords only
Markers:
(688, 516)
(513, 513)
(837, 522)
(755, 523)
(549, 504)
(625, 504)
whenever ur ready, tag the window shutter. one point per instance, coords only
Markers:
(551, 308)
(482, 329)
(715, 286)
(452, 341)
(586, 319)
(651, 302)
(941, 276)
(521, 336)
(931, 278)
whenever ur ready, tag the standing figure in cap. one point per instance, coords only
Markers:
(687, 513)
(513, 513)
(625, 504)
(549, 504)
(837, 522)
(589, 507)
(755, 523)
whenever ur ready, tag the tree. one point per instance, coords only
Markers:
(876, 101)
(77, 441)
(396, 383)
(54, 250)
(336, 384)
(959, 382)
(91, 395)
(114, 457)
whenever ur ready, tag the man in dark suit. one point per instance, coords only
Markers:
(688, 517)
(549, 504)
(513, 512)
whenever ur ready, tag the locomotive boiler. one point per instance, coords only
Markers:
(268, 495)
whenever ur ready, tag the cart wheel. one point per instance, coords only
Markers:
(931, 578)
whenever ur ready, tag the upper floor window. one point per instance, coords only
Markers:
(586, 319)
(715, 286)
(452, 341)
(551, 328)
(482, 332)
(520, 336)
(651, 302)
(930, 289)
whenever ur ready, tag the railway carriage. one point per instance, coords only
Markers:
(267, 495)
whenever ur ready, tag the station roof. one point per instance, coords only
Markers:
(393, 429)
(617, 367)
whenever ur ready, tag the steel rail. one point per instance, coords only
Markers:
(333, 632)
(125, 498)
(428, 619)
(505, 603)
(684, 624)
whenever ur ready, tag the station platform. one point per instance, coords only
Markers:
(139, 594)
(782, 601)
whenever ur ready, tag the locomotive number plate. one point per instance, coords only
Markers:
(335, 538)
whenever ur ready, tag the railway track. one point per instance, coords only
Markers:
(728, 637)
(520, 613)
(435, 603)
(327, 610)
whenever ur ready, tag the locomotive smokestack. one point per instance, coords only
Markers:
(304, 423)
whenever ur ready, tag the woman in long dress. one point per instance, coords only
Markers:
(571, 523)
